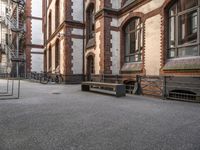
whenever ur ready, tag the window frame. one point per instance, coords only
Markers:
(178, 46)
(57, 14)
(90, 17)
(57, 53)
(139, 52)
(50, 23)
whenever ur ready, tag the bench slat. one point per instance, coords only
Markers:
(100, 83)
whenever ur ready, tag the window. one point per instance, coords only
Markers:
(91, 64)
(50, 24)
(57, 54)
(90, 22)
(133, 41)
(7, 38)
(57, 14)
(183, 27)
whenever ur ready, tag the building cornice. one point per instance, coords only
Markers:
(121, 11)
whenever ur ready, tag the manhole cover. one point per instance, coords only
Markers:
(56, 93)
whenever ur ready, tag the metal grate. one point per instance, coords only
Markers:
(182, 95)
(182, 88)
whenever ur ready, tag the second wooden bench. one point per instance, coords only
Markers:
(119, 89)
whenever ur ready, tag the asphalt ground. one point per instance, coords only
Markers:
(62, 117)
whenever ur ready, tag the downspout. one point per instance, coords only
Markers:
(45, 41)
(84, 40)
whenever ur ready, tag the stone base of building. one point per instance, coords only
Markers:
(166, 87)
(182, 88)
(73, 79)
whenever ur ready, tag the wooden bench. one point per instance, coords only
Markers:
(119, 89)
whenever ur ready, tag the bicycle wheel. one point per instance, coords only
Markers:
(61, 79)
(56, 79)
(44, 80)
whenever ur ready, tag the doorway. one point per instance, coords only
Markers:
(90, 67)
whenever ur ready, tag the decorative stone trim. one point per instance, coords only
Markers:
(164, 33)
(28, 35)
(105, 45)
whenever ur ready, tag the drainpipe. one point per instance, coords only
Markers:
(45, 40)
(84, 40)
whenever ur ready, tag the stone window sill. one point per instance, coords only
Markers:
(132, 67)
(182, 64)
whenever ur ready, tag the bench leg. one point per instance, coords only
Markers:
(85, 87)
(120, 91)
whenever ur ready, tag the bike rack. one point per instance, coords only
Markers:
(9, 88)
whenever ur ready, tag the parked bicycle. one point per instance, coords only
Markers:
(47, 77)
(34, 76)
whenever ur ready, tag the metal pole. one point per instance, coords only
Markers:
(18, 88)
(164, 94)
(7, 86)
(12, 87)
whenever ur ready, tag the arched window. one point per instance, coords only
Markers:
(57, 54)
(90, 67)
(57, 14)
(90, 22)
(133, 40)
(50, 58)
(50, 21)
(183, 28)
(90, 61)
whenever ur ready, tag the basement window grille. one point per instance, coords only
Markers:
(182, 95)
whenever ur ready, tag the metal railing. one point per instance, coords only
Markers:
(9, 87)
(11, 52)
(10, 19)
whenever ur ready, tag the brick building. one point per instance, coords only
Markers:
(34, 36)
(123, 37)
(63, 29)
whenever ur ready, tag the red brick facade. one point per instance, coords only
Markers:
(104, 20)
(29, 36)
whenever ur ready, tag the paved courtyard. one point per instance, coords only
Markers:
(61, 117)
